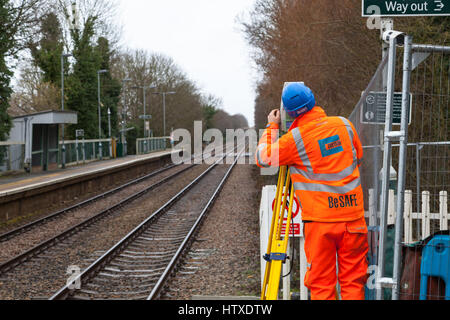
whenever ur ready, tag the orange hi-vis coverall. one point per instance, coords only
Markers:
(324, 154)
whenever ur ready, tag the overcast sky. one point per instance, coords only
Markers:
(203, 38)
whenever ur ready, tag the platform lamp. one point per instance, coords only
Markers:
(164, 108)
(109, 123)
(144, 88)
(124, 115)
(100, 150)
(63, 146)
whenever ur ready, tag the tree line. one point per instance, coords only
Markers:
(35, 34)
(326, 44)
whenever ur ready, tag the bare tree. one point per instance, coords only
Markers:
(239, 121)
(323, 43)
(33, 94)
(23, 25)
(151, 69)
(75, 13)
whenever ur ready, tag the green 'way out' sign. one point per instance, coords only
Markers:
(404, 8)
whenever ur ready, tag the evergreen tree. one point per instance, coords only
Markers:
(210, 106)
(47, 52)
(6, 43)
(208, 115)
(82, 82)
(110, 88)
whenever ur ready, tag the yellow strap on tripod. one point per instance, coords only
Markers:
(277, 246)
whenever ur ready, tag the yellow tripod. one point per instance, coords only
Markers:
(277, 246)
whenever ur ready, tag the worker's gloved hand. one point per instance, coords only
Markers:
(274, 117)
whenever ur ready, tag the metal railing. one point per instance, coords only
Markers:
(149, 145)
(12, 155)
(82, 151)
(413, 156)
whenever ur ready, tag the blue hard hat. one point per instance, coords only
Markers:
(298, 99)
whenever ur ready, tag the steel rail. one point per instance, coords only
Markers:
(430, 48)
(22, 229)
(19, 259)
(190, 236)
(94, 268)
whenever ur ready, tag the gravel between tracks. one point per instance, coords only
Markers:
(42, 276)
(112, 283)
(230, 236)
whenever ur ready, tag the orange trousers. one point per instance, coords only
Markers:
(324, 241)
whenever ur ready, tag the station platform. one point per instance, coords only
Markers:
(25, 181)
(25, 194)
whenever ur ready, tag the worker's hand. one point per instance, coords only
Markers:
(275, 116)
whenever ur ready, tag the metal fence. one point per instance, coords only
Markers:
(405, 173)
(82, 151)
(12, 156)
(425, 238)
(149, 145)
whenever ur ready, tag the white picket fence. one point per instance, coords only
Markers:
(409, 216)
(426, 216)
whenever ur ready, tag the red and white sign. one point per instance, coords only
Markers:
(296, 222)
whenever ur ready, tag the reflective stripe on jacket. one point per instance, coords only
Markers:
(324, 155)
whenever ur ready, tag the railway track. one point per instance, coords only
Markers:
(24, 242)
(140, 264)
(58, 214)
(41, 270)
(79, 220)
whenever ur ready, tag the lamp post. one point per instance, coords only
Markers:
(109, 123)
(124, 118)
(144, 88)
(109, 133)
(99, 115)
(164, 108)
(63, 147)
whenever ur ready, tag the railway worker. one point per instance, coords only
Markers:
(324, 155)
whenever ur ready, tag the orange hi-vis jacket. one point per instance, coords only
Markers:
(324, 154)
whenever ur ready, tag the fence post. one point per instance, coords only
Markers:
(264, 224)
(372, 212)
(391, 208)
(303, 269)
(386, 160)
(8, 152)
(443, 211)
(407, 66)
(425, 214)
(84, 151)
(287, 279)
(76, 149)
(408, 216)
(418, 149)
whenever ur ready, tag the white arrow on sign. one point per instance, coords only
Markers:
(439, 4)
